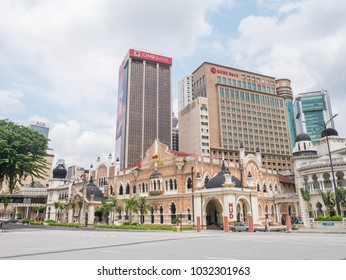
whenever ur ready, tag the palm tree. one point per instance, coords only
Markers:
(56, 206)
(114, 204)
(105, 209)
(131, 204)
(73, 206)
(143, 207)
(38, 209)
(306, 196)
(61, 207)
(342, 199)
(80, 205)
(328, 198)
(119, 209)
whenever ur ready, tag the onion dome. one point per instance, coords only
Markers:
(329, 132)
(92, 189)
(218, 180)
(302, 137)
(155, 175)
(59, 172)
(303, 146)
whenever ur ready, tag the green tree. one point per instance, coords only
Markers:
(342, 197)
(328, 198)
(130, 206)
(114, 204)
(5, 201)
(119, 209)
(22, 154)
(143, 207)
(105, 209)
(38, 209)
(306, 196)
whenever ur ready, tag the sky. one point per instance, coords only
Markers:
(59, 60)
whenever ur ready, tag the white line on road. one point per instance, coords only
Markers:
(218, 258)
(337, 244)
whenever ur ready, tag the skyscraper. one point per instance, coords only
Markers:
(312, 110)
(234, 109)
(40, 127)
(144, 105)
(185, 91)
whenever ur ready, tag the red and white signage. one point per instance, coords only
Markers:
(230, 210)
(223, 72)
(151, 56)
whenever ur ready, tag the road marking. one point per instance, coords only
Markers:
(337, 244)
(299, 243)
(218, 258)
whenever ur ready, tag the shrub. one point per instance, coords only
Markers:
(328, 218)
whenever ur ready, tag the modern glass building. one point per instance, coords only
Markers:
(312, 111)
(144, 105)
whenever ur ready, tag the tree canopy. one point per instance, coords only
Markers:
(22, 154)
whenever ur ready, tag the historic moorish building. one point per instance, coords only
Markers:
(199, 189)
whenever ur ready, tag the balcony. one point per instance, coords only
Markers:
(155, 192)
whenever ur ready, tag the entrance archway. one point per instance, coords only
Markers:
(243, 207)
(214, 214)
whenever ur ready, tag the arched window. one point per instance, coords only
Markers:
(111, 190)
(266, 209)
(189, 183)
(264, 187)
(258, 187)
(171, 184)
(166, 182)
(188, 214)
(158, 185)
(206, 180)
(154, 185)
(272, 211)
(152, 214)
(127, 189)
(175, 184)
(134, 189)
(121, 190)
(173, 213)
(161, 215)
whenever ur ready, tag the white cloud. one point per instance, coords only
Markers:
(307, 46)
(10, 102)
(64, 56)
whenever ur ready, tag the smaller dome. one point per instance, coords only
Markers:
(329, 132)
(303, 137)
(92, 189)
(59, 172)
(155, 175)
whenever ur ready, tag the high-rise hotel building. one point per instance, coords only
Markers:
(235, 109)
(144, 105)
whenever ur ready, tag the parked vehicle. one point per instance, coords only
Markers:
(240, 226)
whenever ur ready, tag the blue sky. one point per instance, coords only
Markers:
(59, 59)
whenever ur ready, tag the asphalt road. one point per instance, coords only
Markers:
(19, 242)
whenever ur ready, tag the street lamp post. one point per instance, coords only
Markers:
(338, 209)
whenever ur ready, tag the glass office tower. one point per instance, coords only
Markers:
(312, 111)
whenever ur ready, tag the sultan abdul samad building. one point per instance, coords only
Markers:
(196, 189)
